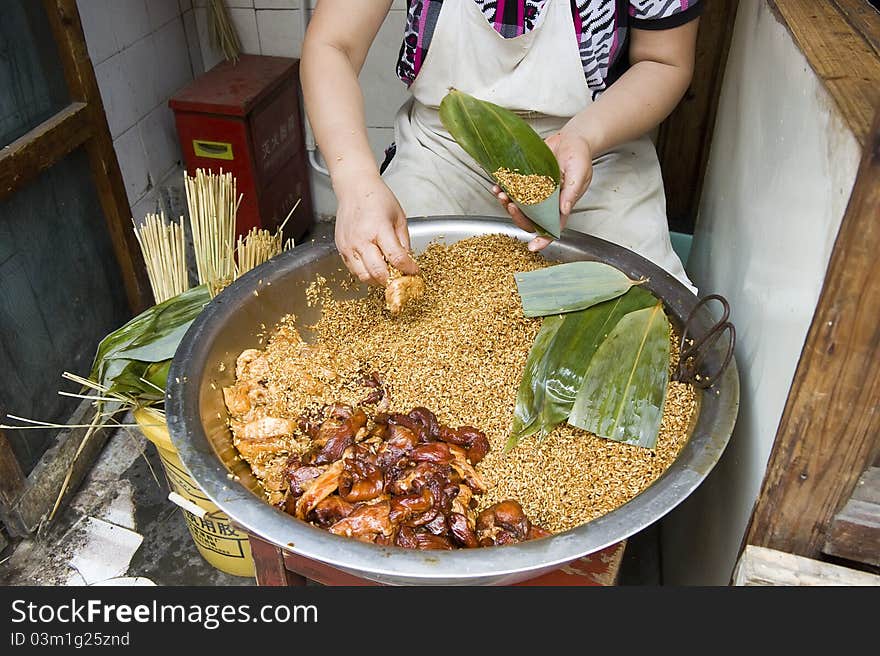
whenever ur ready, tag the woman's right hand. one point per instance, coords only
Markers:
(371, 229)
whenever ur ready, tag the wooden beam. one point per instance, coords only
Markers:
(12, 479)
(760, 566)
(830, 428)
(855, 530)
(863, 18)
(67, 30)
(684, 139)
(844, 59)
(38, 149)
(59, 471)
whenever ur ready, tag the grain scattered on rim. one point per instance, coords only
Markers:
(460, 351)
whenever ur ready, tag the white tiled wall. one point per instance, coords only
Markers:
(273, 27)
(142, 51)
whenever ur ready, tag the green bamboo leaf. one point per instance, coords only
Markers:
(152, 336)
(528, 405)
(624, 387)
(570, 287)
(497, 138)
(558, 360)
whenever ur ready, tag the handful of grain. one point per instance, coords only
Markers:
(525, 189)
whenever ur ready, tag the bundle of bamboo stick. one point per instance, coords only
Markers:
(163, 245)
(213, 204)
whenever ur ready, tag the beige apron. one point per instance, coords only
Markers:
(538, 74)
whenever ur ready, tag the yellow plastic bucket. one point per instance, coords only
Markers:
(216, 538)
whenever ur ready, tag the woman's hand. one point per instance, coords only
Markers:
(371, 229)
(575, 159)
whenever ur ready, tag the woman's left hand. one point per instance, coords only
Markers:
(575, 159)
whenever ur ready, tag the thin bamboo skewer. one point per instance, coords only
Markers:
(213, 205)
(163, 245)
(260, 245)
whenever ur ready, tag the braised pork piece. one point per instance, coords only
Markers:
(398, 479)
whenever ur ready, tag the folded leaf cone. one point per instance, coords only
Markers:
(624, 387)
(497, 138)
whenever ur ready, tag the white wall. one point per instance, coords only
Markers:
(272, 27)
(141, 55)
(779, 176)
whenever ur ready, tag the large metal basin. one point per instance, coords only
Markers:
(205, 361)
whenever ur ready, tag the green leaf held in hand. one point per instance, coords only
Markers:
(570, 287)
(624, 387)
(558, 360)
(497, 138)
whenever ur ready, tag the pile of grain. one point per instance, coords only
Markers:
(460, 351)
(525, 189)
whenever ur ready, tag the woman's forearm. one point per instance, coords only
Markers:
(661, 70)
(336, 112)
(331, 62)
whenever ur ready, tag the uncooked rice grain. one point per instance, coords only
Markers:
(460, 351)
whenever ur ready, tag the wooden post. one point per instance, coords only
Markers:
(67, 29)
(684, 139)
(830, 428)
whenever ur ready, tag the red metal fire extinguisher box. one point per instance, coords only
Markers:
(244, 117)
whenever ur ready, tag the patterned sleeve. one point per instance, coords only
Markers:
(662, 14)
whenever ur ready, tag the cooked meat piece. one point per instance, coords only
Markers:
(366, 522)
(466, 469)
(253, 451)
(407, 422)
(414, 510)
(462, 531)
(321, 488)
(331, 510)
(461, 504)
(434, 452)
(243, 399)
(427, 419)
(398, 443)
(336, 442)
(264, 428)
(373, 382)
(427, 541)
(403, 290)
(406, 538)
(299, 479)
(536, 532)
(413, 479)
(251, 365)
(438, 525)
(360, 481)
(503, 523)
(474, 441)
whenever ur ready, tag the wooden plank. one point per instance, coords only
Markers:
(12, 479)
(38, 149)
(684, 138)
(863, 18)
(63, 466)
(830, 428)
(855, 530)
(67, 29)
(761, 566)
(847, 63)
(269, 566)
(855, 533)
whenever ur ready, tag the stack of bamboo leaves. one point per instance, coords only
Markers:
(601, 359)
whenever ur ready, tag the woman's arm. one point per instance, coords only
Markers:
(661, 67)
(370, 224)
